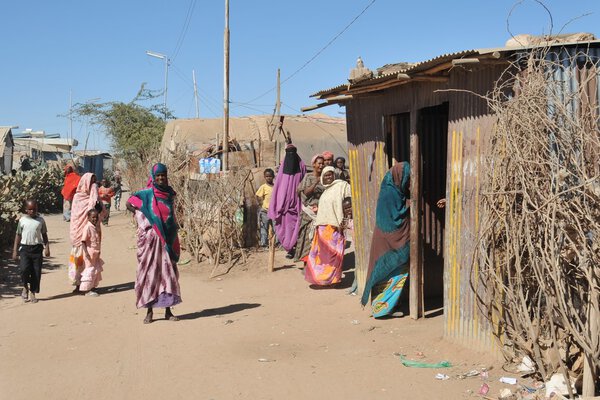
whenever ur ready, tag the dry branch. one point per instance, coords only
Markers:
(539, 248)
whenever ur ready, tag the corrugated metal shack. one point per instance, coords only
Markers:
(423, 113)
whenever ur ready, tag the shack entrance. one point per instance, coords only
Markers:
(432, 127)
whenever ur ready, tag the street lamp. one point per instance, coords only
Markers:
(162, 57)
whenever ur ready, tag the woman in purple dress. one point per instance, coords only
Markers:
(157, 277)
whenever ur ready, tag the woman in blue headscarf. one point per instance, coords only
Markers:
(157, 277)
(390, 251)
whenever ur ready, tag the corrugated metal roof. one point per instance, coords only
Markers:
(438, 60)
(412, 68)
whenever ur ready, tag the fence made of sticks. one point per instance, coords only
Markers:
(537, 266)
(211, 211)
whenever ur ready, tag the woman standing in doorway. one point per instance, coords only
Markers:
(390, 251)
(157, 277)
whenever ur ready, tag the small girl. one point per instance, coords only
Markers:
(92, 237)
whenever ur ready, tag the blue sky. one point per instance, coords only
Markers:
(97, 49)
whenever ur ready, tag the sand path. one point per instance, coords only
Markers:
(318, 344)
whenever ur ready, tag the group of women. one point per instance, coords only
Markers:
(309, 219)
(308, 216)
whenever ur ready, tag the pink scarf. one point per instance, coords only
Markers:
(84, 200)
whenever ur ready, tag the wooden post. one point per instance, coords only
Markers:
(416, 261)
(271, 250)
(589, 370)
(225, 165)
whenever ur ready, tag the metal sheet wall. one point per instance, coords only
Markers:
(469, 129)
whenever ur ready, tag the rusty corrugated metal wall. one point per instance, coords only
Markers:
(469, 129)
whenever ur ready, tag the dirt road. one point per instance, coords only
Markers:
(249, 334)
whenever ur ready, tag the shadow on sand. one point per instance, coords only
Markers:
(211, 312)
(10, 276)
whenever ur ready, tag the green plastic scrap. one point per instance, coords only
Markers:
(418, 364)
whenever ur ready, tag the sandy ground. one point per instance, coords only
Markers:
(247, 334)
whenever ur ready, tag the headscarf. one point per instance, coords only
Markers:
(156, 202)
(70, 185)
(314, 158)
(285, 205)
(328, 154)
(392, 211)
(291, 162)
(330, 210)
(390, 249)
(84, 200)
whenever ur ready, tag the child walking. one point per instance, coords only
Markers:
(264, 193)
(90, 241)
(105, 192)
(118, 188)
(30, 241)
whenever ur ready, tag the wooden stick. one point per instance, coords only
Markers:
(271, 250)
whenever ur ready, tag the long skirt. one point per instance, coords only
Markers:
(157, 277)
(388, 296)
(92, 273)
(76, 265)
(324, 266)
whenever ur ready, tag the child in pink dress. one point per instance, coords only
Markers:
(92, 237)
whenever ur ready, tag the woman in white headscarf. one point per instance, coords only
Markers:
(324, 266)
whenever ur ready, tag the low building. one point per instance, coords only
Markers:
(259, 137)
(40, 147)
(434, 115)
(94, 161)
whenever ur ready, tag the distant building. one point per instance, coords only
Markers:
(6, 149)
(41, 148)
(259, 137)
(94, 161)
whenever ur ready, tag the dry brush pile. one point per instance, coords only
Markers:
(539, 251)
(211, 211)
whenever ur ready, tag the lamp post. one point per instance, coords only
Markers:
(163, 57)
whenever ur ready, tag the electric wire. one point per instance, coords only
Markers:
(317, 54)
(184, 29)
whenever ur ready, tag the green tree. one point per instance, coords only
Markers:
(134, 130)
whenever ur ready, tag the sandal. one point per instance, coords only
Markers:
(25, 295)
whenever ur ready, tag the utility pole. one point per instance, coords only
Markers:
(278, 102)
(70, 114)
(195, 94)
(276, 127)
(225, 165)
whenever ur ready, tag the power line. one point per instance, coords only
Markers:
(312, 121)
(184, 29)
(203, 98)
(317, 54)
